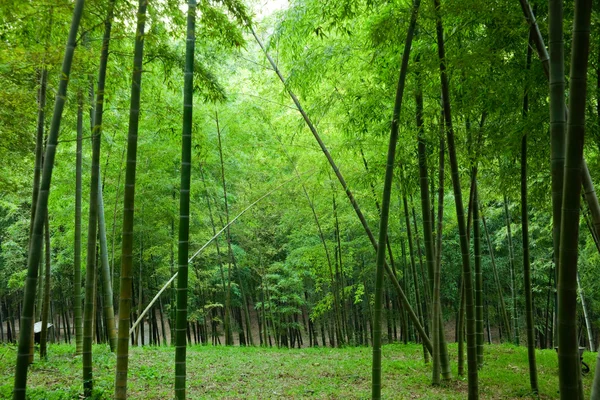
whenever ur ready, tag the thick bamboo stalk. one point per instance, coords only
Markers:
(466, 267)
(568, 347)
(553, 65)
(184, 206)
(443, 350)
(128, 210)
(385, 205)
(77, 311)
(533, 380)
(95, 195)
(437, 328)
(33, 259)
(478, 279)
(46, 303)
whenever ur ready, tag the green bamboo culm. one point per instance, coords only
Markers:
(525, 235)
(94, 210)
(385, 206)
(568, 348)
(109, 315)
(478, 278)
(556, 35)
(437, 355)
(443, 346)
(39, 145)
(46, 302)
(428, 231)
(184, 206)
(503, 312)
(77, 318)
(128, 210)
(228, 308)
(513, 277)
(107, 291)
(589, 192)
(35, 251)
(558, 116)
(411, 252)
(466, 267)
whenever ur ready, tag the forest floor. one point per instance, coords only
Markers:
(323, 373)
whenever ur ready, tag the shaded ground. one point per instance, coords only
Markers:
(241, 373)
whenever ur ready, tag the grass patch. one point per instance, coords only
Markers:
(322, 373)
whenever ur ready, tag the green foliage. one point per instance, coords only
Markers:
(341, 58)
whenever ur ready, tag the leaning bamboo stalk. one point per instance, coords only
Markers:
(347, 190)
(588, 323)
(590, 193)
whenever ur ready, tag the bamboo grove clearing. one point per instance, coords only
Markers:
(356, 198)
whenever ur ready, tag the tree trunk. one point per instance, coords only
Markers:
(466, 267)
(385, 207)
(443, 350)
(412, 268)
(513, 278)
(497, 279)
(35, 248)
(114, 223)
(568, 348)
(107, 300)
(529, 317)
(77, 319)
(184, 205)
(95, 193)
(128, 211)
(478, 279)
(46, 304)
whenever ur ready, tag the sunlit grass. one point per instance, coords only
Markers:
(323, 373)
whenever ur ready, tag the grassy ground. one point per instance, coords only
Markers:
(241, 373)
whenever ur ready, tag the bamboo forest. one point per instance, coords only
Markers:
(330, 199)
